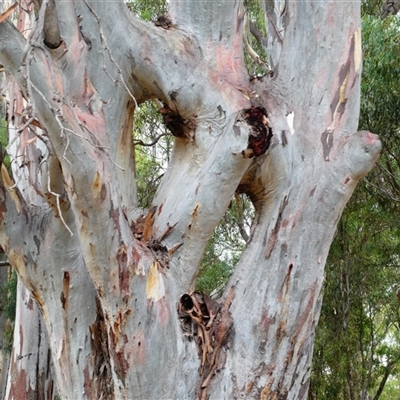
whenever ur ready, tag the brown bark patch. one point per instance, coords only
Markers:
(121, 365)
(123, 272)
(99, 190)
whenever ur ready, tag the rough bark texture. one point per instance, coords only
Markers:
(108, 277)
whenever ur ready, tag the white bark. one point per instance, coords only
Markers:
(109, 293)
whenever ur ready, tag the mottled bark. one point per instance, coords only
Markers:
(108, 277)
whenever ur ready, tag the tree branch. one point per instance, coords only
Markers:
(12, 45)
(141, 143)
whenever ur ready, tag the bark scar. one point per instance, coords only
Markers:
(261, 132)
(327, 143)
(274, 233)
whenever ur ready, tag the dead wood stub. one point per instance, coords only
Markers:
(261, 132)
(209, 323)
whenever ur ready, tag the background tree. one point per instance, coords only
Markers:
(108, 276)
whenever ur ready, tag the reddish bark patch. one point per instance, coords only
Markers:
(114, 214)
(87, 386)
(92, 124)
(162, 307)
(20, 388)
(139, 347)
(121, 365)
(30, 304)
(261, 133)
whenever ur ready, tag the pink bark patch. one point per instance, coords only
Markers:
(139, 347)
(369, 138)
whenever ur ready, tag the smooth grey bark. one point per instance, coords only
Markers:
(109, 293)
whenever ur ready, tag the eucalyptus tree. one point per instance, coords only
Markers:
(114, 283)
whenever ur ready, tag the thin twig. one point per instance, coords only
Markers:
(57, 196)
(141, 143)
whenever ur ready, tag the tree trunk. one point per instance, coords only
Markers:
(30, 374)
(109, 278)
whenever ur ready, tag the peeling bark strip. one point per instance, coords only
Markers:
(210, 323)
(261, 133)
